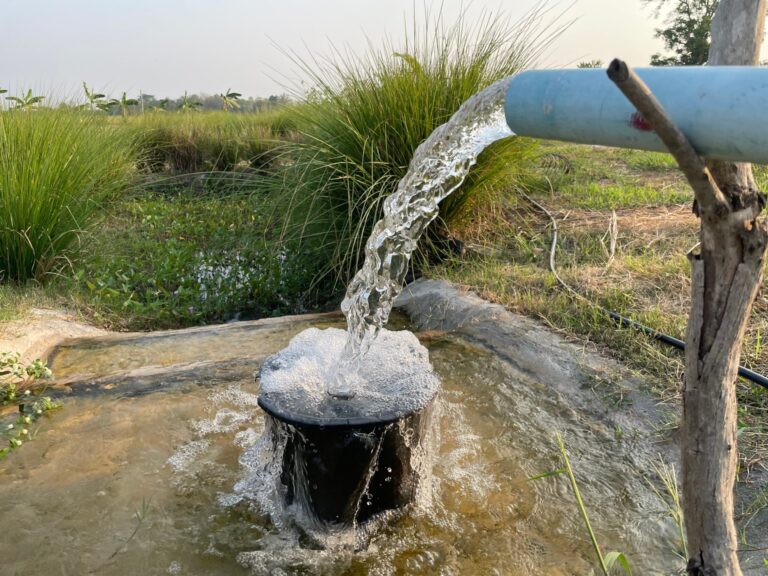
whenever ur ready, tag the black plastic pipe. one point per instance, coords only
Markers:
(745, 373)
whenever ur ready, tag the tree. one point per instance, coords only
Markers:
(686, 33)
(727, 274)
(188, 104)
(97, 101)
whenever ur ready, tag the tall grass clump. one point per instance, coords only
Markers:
(366, 114)
(188, 142)
(56, 169)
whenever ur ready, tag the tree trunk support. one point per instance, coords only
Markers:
(726, 276)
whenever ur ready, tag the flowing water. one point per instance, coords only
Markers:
(178, 449)
(439, 166)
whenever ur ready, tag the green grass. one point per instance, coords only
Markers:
(56, 170)
(181, 259)
(367, 114)
(211, 141)
(598, 178)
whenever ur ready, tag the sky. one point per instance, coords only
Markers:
(164, 47)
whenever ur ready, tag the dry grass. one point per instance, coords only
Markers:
(638, 269)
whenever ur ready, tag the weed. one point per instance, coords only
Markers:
(670, 497)
(213, 141)
(19, 389)
(178, 259)
(606, 561)
(140, 516)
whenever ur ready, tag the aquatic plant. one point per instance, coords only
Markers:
(365, 116)
(20, 389)
(56, 169)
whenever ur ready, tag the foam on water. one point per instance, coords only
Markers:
(187, 453)
(394, 379)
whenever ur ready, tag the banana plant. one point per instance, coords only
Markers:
(97, 101)
(230, 99)
(125, 102)
(187, 104)
(25, 102)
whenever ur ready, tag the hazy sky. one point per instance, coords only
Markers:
(163, 47)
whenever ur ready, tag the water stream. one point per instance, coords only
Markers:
(439, 166)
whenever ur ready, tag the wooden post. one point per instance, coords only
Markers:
(726, 276)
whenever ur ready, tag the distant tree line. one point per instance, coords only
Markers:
(228, 101)
(206, 102)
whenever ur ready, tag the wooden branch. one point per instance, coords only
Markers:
(711, 200)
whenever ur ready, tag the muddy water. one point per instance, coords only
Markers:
(69, 499)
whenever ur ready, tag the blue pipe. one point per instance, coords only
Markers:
(723, 110)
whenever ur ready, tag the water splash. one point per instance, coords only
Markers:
(439, 166)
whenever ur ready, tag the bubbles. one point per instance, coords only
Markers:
(225, 420)
(187, 454)
(394, 379)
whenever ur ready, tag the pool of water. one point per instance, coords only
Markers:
(144, 483)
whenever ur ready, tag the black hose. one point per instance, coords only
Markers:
(745, 373)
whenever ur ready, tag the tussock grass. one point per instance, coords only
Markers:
(211, 141)
(367, 114)
(56, 169)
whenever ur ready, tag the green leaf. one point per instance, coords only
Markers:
(545, 475)
(612, 557)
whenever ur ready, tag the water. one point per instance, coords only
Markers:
(394, 379)
(439, 166)
(68, 498)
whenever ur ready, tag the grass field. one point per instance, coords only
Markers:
(625, 226)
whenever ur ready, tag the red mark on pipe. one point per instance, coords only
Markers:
(639, 123)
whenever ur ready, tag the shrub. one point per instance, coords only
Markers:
(367, 114)
(56, 168)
